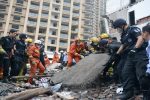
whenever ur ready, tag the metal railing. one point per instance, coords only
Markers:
(63, 44)
(33, 15)
(32, 23)
(34, 7)
(64, 36)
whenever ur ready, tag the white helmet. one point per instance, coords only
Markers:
(37, 41)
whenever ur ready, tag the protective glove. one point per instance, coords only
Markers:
(132, 52)
(33, 62)
(148, 70)
(2, 51)
(81, 56)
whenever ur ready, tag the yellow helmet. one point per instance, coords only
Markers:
(29, 40)
(94, 39)
(104, 36)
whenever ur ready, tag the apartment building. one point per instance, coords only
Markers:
(58, 22)
(91, 18)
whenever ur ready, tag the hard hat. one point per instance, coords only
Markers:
(37, 42)
(23, 36)
(104, 36)
(42, 40)
(12, 31)
(94, 39)
(118, 23)
(29, 40)
(61, 51)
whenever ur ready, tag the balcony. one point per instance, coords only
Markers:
(63, 44)
(75, 31)
(43, 24)
(64, 28)
(67, 4)
(75, 23)
(64, 36)
(44, 15)
(76, 8)
(66, 12)
(65, 20)
(75, 15)
(31, 23)
(77, 1)
(33, 15)
(34, 7)
(45, 8)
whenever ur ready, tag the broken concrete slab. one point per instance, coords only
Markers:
(84, 74)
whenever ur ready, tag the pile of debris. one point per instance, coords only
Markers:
(58, 83)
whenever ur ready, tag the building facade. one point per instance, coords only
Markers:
(91, 18)
(135, 12)
(58, 22)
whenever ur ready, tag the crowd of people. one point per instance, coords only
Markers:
(129, 58)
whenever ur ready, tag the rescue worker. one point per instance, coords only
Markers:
(95, 43)
(130, 39)
(8, 43)
(103, 42)
(55, 58)
(34, 58)
(47, 61)
(74, 52)
(2, 53)
(61, 56)
(42, 51)
(143, 70)
(20, 56)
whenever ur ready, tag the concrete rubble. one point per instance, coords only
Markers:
(84, 74)
(67, 84)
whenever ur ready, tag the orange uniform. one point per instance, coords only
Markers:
(47, 61)
(55, 58)
(74, 53)
(34, 55)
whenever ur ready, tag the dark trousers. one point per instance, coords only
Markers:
(133, 70)
(18, 64)
(6, 64)
(42, 59)
(120, 67)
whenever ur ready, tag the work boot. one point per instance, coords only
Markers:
(5, 80)
(126, 95)
(146, 95)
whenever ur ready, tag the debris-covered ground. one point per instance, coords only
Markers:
(45, 89)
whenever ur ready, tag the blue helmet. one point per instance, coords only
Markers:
(23, 36)
(118, 23)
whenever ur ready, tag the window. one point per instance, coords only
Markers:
(42, 30)
(1, 24)
(132, 18)
(1, 16)
(30, 29)
(2, 7)
(53, 42)
(53, 32)
(56, 17)
(45, 4)
(18, 9)
(15, 26)
(132, 1)
(51, 48)
(57, 9)
(16, 17)
(55, 24)
(57, 1)
(19, 1)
